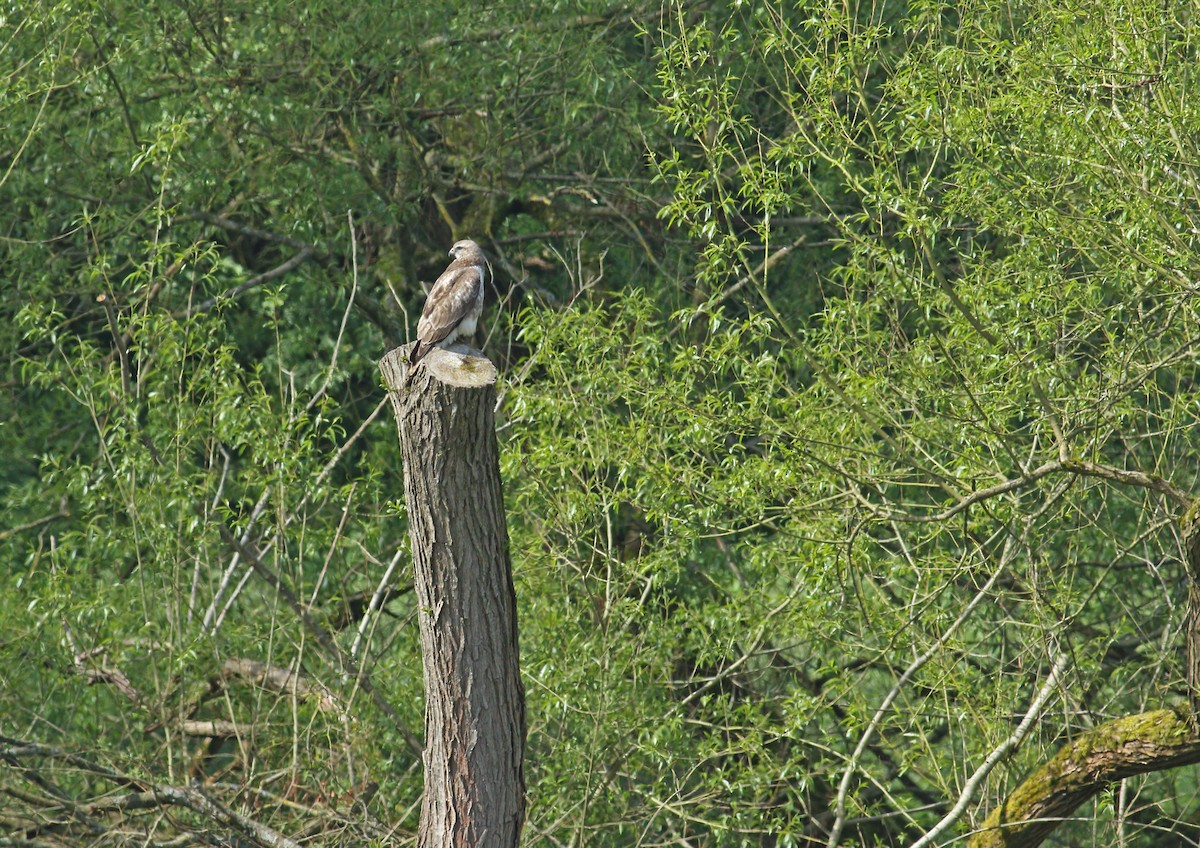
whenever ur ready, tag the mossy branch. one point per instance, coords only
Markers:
(1125, 747)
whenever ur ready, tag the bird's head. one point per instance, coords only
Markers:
(464, 246)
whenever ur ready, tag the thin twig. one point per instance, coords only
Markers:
(998, 753)
(37, 522)
(349, 664)
(376, 602)
(1072, 466)
(337, 343)
(839, 821)
(253, 282)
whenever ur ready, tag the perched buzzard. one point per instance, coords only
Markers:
(454, 303)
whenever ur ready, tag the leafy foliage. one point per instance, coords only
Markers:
(851, 387)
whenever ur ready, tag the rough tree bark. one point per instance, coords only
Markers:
(1137, 744)
(474, 700)
(1125, 747)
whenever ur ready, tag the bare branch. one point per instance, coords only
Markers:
(145, 796)
(1079, 467)
(337, 343)
(214, 728)
(279, 680)
(1124, 747)
(482, 36)
(984, 593)
(63, 512)
(349, 664)
(253, 282)
(248, 230)
(998, 753)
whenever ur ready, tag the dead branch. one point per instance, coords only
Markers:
(280, 680)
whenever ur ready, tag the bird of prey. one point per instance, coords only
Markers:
(454, 303)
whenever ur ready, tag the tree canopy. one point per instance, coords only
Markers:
(847, 421)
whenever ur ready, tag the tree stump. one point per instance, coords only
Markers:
(474, 699)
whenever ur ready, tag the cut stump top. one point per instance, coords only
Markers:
(459, 365)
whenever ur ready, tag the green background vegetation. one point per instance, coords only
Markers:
(821, 324)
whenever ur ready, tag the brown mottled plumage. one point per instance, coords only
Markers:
(454, 303)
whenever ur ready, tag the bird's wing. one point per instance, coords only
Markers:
(450, 300)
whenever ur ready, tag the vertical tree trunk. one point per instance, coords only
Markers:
(474, 700)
